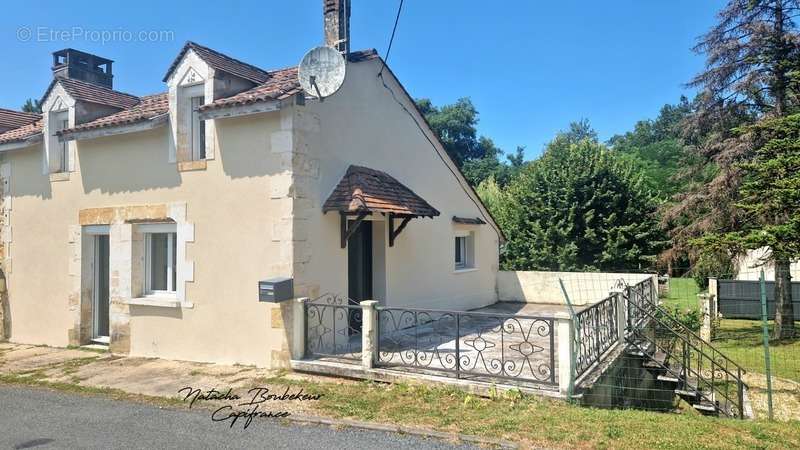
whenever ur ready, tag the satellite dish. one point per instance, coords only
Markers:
(321, 72)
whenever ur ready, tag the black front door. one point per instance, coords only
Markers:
(359, 270)
(359, 263)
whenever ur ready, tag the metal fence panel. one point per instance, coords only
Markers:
(739, 299)
(468, 344)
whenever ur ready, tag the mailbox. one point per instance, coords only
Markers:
(275, 290)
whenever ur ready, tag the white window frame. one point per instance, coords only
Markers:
(147, 231)
(467, 240)
(58, 121)
(461, 242)
(197, 128)
(64, 162)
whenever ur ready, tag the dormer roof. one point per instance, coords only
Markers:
(220, 61)
(92, 93)
(149, 107)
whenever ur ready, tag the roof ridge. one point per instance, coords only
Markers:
(226, 56)
(198, 48)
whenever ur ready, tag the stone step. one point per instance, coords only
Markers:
(705, 407)
(687, 393)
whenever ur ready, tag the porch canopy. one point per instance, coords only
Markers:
(363, 191)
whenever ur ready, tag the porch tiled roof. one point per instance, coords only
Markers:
(150, 106)
(21, 133)
(15, 119)
(368, 190)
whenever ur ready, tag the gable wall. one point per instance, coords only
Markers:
(362, 125)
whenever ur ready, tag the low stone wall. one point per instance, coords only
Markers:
(583, 288)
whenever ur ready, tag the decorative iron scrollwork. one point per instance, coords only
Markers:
(468, 343)
(333, 327)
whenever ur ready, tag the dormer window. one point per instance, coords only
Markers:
(198, 130)
(191, 130)
(58, 151)
(63, 124)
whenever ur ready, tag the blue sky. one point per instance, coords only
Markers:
(530, 67)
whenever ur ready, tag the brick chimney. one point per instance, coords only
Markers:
(337, 24)
(78, 65)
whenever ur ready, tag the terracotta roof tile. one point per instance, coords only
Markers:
(15, 119)
(151, 106)
(92, 93)
(368, 190)
(282, 83)
(21, 133)
(221, 62)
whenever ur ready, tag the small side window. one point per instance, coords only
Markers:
(465, 251)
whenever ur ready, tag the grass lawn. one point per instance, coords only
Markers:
(742, 341)
(682, 293)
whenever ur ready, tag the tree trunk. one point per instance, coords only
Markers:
(784, 313)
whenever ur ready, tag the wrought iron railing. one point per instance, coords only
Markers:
(333, 328)
(695, 340)
(468, 344)
(641, 295)
(701, 369)
(596, 331)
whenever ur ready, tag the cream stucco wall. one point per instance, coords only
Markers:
(232, 246)
(253, 212)
(363, 125)
(583, 288)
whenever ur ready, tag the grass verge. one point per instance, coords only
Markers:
(535, 421)
(528, 420)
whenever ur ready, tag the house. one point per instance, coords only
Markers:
(750, 265)
(146, 222)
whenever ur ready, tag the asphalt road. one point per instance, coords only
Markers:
(38, 418)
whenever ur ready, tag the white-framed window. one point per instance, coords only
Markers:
(59, 151)
(197, 129)
(160, 259)
(64, 148)
(464, 250)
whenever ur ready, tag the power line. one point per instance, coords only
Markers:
(416, 122)
(391, 39)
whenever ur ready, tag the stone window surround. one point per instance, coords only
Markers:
(58, 102)
(126, 267)
(193, 77)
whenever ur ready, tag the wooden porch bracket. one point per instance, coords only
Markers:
(348, 231)
(393, 233)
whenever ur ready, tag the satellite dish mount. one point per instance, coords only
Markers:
(321, 72)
